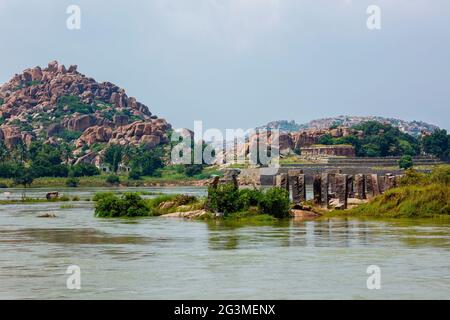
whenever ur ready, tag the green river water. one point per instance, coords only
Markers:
(163, 258)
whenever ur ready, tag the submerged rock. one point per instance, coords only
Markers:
(187, 214)
(47, 215)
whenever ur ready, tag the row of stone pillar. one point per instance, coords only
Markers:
(335, 185)
(295, 183)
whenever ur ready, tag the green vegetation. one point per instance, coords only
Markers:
(112, 179)
(437, 144)
(72, 182)
(41, 160)
(24, 178)
(405, 162)
(48, 162)
(133, 205)
(73, 104)
(128, 205)
(382, 140)
(419, 196)
(83, 170)
(247, 204)
(228, 199)
(68, 135)
(379, 140)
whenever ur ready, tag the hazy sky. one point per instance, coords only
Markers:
(242, 63)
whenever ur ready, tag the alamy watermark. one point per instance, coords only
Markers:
(235, 146)
(73, 282)
(374, 19)
(374, 280)
(73, 21)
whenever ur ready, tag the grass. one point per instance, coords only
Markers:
(67, 206)
(180, 203)
(168, 175)
(34, 200)
(420, 195)
(294, 159)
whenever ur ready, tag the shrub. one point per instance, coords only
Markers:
(135, 174)
(193, 169)
(84, 170)
(64, 198)
(405, 162)
(225, 198)
(275, 202)
(112, 179)
(72, 182)
(441, 174)
(249, 198)
(129, 205)
(413, 177)
(10, 169)
(100, 195)
(409, 201)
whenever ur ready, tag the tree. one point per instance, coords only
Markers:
(135, 174)
(193, 169)
(149, 161)
(112, 179)
(84, 170)
(275, 202)
(405, 162)
(25, 178)
(113, 156)
(72, 182)
(4, 152)
(437, 144)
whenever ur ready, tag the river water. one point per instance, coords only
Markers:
(162, 258)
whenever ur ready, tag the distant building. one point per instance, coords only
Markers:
(326, 150)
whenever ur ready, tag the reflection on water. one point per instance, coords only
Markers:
(72, 236)
(158, 258)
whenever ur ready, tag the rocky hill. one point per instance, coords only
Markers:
(58, 104)
(413, 128)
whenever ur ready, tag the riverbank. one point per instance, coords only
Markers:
(419, 195)
(101, 181)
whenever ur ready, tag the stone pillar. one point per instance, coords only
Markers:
(360, 186)
(214, 182)
(302, 187)
(282, 181)
(390, 181)
(351, 193)
(382, 183)
(317, 188)
(294, 185)
(369, 191)
(332, 183)
(231, 175)
(324, 189)
(375, 185)
(341, 190)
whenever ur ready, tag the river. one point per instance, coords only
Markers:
(162, 258)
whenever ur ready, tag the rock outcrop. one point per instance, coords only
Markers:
(58, 104)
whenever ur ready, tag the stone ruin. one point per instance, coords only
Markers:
(335, 187)
(329, 188)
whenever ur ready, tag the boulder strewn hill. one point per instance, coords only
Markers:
(413, 128)
(59, 104)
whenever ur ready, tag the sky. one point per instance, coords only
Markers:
(243, 63)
